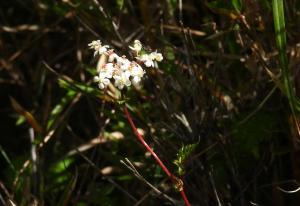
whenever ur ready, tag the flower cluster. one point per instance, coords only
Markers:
(121, 70)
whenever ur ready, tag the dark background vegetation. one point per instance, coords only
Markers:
(219, 88)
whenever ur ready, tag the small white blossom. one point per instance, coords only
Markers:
(112, 56)
(137, 46)
(108, 70)
(97, 46)
(102, 50)
(123, 63)
(137, 73)
(156, 56)
(228, 102)
(122, 80)
(119, 69)
(102, 80)
(147, 60)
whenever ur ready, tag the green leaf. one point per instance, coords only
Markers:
(182, 155)
(59, 173)
(120, 4)
(21, 119)
(125, 177)
(78, 87)
(280, 36)
(61, 166)
(59, 108)
(236, 4)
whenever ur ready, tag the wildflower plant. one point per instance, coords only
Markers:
(121, 71)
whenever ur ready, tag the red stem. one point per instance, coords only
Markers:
(161, 164)
(184, 197)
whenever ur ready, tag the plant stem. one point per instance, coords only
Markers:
(174, 179)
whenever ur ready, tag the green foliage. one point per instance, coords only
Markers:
(120, 4)
(280, 36)
(237, 4)
(58, 109)
(183, 154)
(61, 166)
(58, 171)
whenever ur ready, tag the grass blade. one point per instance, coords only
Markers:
(280, 36)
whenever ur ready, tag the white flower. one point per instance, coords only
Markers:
(137, 73)
(102, 50)
(97, 46)
(122, 80)
(108, 70)
(123, 63)
(121, 60)
(102, 80)
(137, 46)
(120, 70)
(147, 60)
(156, 56)
(228, 102)
(112, 56)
